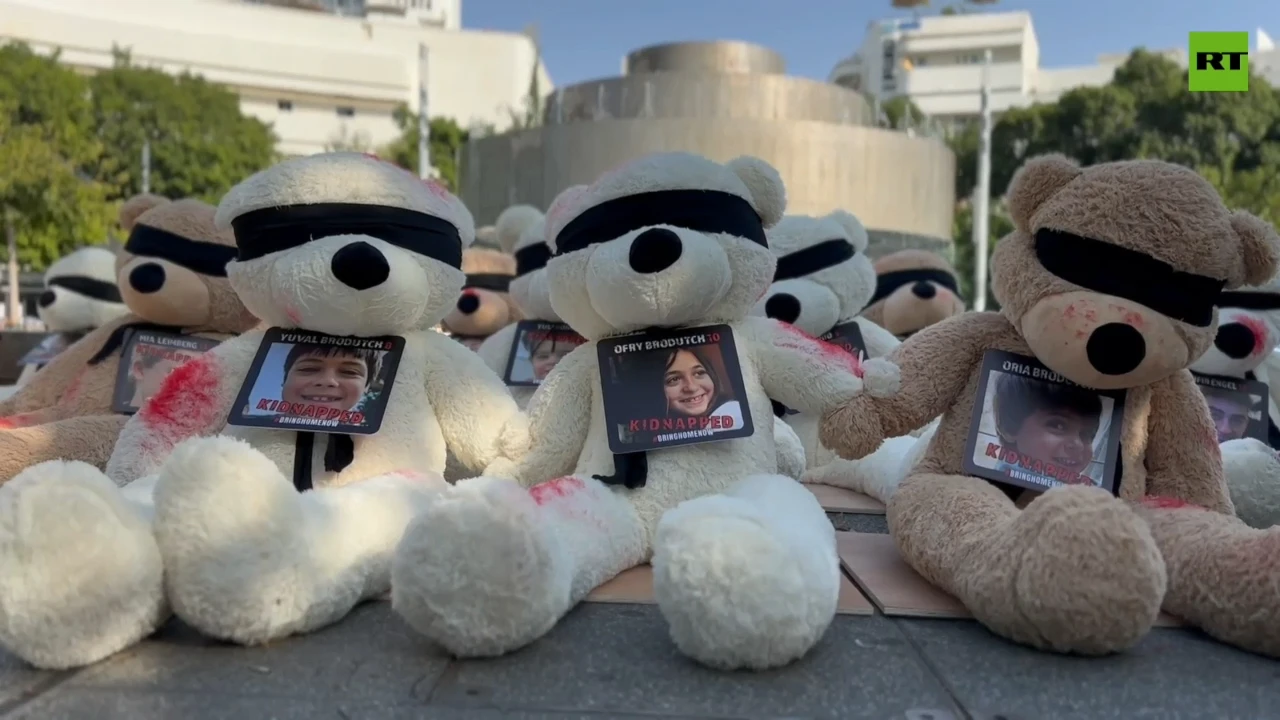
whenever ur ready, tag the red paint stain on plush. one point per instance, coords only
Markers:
(1135, 319)
(1070, 312)
(1259, 332)
(7, 424)
(544, 493)
(1159, 502)
(1091, 316)
(797, 339)
(73, 389)
(294, 316)
(187, 398)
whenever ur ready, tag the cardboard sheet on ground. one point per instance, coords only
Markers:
(635, 586)
(842, 500)
(896, 589)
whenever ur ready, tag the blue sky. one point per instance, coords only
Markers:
(586, 39)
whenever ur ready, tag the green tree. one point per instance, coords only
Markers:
(47, 146)
(901, 113)
(445, 139)
(201, 143)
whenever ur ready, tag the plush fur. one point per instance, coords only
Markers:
(212, 526)
(745, 569)
(1078, 570)
(1252, 466)
(65, 310)
(816, 303)
(64, 412)
(914, 306)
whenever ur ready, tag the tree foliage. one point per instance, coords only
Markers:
(71, 146)
(445, 139)
(1232, 139)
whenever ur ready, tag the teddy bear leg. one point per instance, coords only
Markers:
(82, 576)
(1076, 571)
(88, 439)
(789, 449)
(249, 559)
(747, 579)
(490, 566)
(1253, 477)
(1224, 576)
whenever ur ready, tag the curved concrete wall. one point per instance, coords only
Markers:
(717, 56)
(689, 95)
(902, 188)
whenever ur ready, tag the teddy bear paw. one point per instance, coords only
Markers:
(82, 573)
(1087, 576)
(231, 531)
(479, 572)
(1253, 478)
(735, 593)
(880, 378)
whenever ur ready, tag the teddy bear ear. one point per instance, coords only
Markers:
(853, 226)
(768, 193)
(134, 207)
(560, 208)
(1259, 248)
(1035, 182)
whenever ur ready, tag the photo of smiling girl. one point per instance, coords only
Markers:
(692, 388)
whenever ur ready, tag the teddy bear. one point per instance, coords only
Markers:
(1106, 288)
(914, 289)
(1248, 333)
(80, 294)
(249, 529)
(823, 280)
(658, 264)
(172, 277)
(485, 305)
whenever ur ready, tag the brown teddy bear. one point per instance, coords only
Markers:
(1107, 289)
(914, 289)
(172, 276)
(485, 306)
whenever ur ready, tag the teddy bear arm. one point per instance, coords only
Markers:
(559, 418)
(193, 401)
(472, 405)
(48, 386)
(798, 370)
(935, 365)
(1183, 458)
(879, 342)
(496, 349)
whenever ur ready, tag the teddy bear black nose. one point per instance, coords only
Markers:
(924, 290)
(1116, 349)
(1235, 341)
(147, 278)
(46, 298)
(360, 266)
(468, 303)
(783, 307)
(655, 250)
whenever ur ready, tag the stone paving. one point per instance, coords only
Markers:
(616, 661)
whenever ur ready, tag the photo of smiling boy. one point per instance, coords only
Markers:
(329, 377)
(1041, 421)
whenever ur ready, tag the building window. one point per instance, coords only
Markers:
(346, 111)
(284, 105)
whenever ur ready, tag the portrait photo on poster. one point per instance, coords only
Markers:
(537, 348)
(666, 388)
(1237, 407)
(307, 381)
(146, 360)
(847, 337)
(1034, 429)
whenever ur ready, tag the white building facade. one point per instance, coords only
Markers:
(937, 62)
(322, 72)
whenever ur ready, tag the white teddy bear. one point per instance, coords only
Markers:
(340, 244)
(521, 230)
(662, 254)
(80, 292)
(823, 281)
(1248, 334)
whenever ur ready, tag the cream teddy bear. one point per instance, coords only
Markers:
(81, 292)
(658, 265)
(339, 248)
